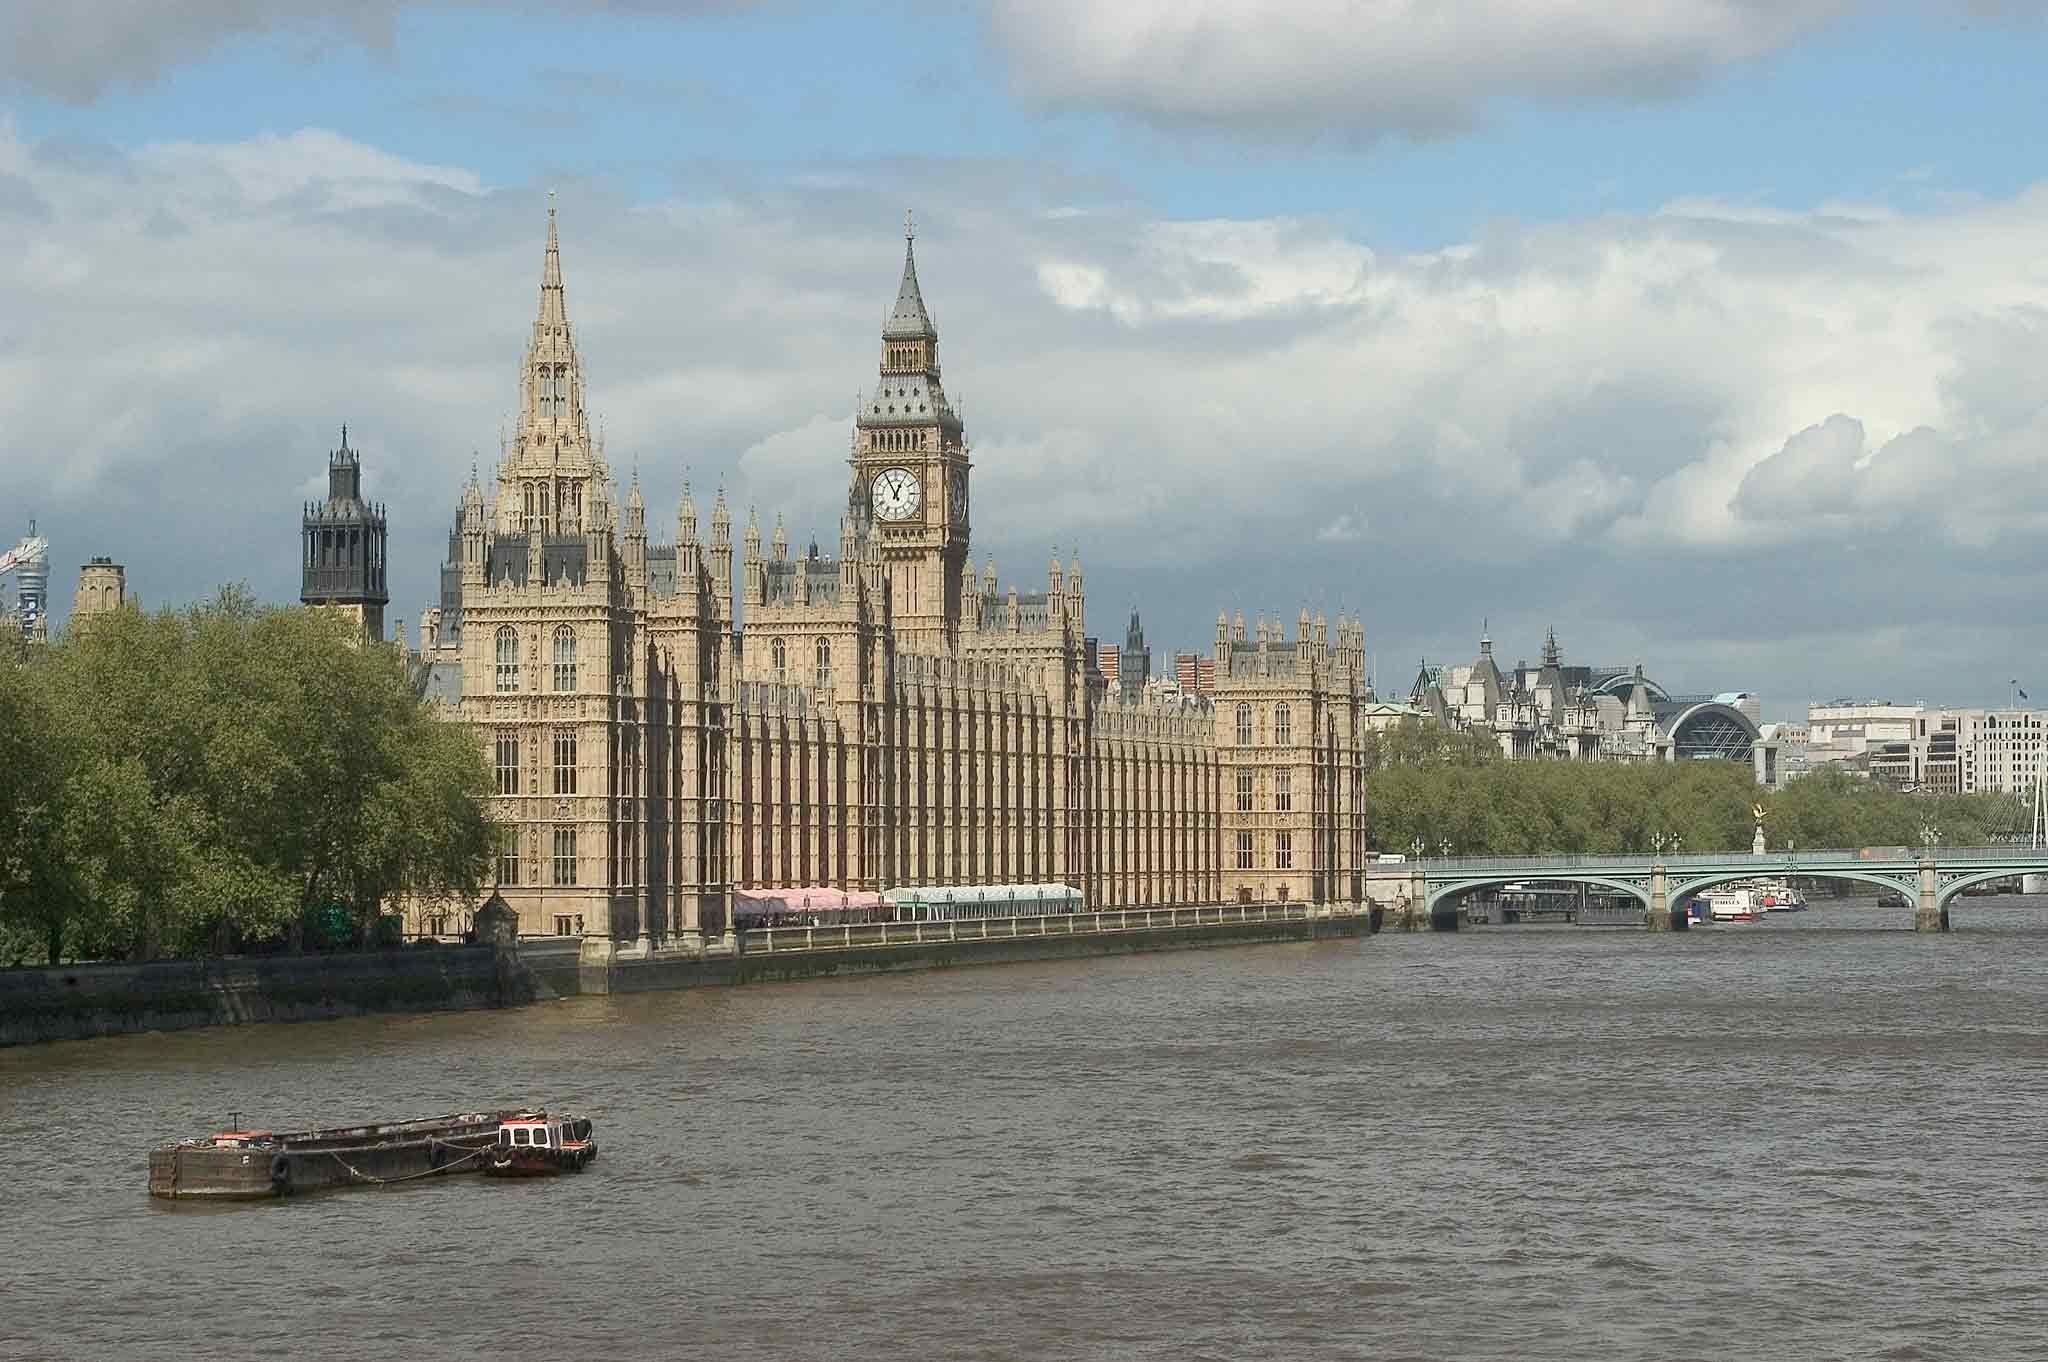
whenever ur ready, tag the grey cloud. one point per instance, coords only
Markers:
(1595, 425)
(75, 49)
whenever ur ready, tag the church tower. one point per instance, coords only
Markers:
(342, 546)
(910, 470)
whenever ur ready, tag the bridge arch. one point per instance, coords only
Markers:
(1949, 889)
(1909, 885)
(1438, 893)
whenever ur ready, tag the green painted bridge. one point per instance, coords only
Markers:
(1928, 880)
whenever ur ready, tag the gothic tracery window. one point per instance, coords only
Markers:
(565, 658)
(565, 761)
(1244, 725)
(824, 670)
(1283, 726)
(508, 761)
(508, 855)
(508, 659)
(780, 654)
(565, 856)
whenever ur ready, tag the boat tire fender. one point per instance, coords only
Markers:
(281, 1175)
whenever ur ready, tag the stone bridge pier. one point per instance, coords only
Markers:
(1931, 914)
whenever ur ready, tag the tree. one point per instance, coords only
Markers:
(215, 776)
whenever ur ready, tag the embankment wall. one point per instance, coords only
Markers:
(627, 975)
(78, 1001)
(70, 1002)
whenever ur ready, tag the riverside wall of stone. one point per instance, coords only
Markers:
(628, 975)
(72, 1002)
(75, 1002)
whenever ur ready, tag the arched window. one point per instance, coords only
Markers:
(779, 654)
(1244, 725)
(508, 761)
(1244, 791)
(1283, 726)
(508, 660)
(824, 678)
(565, 761)
(565, 658)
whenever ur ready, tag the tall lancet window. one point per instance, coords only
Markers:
(565, 658)
(824, 677)
(780, 653)
(508, 660)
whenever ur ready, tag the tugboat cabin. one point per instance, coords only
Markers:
(543, 1134)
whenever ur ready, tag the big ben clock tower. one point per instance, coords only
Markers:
(910, 470)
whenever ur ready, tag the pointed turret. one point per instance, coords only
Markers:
(686, 517)
(908, 319)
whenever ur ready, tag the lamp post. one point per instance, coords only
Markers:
(1418, 846)
(1443, 848)
(1930, 836)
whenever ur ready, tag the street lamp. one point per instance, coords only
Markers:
(1658, 841)
(1444, 847)
(1930, 836)
(1418, 846)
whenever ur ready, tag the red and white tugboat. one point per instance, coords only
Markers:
(539, 1146)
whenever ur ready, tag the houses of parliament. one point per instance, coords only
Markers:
(677, 713)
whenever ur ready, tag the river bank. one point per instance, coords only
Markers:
(75, 1002)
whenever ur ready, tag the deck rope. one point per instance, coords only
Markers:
(360, 1176)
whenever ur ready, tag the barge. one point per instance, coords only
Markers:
(242, 1165)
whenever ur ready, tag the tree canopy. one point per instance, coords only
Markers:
(1454, 788)
(202, 779)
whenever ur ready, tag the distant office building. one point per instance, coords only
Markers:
(1941, 751)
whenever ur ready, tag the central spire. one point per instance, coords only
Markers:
(553, 310)
(908, 320)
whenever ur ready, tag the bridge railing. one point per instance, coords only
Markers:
(1817, 859)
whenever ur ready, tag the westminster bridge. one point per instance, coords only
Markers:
(1418, 889)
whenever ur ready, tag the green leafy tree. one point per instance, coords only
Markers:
(210, 777)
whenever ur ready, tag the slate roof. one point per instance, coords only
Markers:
(907, 319)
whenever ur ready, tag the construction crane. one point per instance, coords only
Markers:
(29, 561)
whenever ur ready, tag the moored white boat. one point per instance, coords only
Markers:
(1734, 905)
(1776, 896)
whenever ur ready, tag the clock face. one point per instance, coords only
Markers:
(956, 495)
(897, 494)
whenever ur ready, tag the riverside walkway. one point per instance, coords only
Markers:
(1927, 880)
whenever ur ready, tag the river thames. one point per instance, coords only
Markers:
(1818, 1137)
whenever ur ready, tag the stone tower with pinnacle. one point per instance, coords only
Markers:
(910, 470)
(342, 542)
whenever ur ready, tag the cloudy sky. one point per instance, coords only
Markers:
(1712, 332)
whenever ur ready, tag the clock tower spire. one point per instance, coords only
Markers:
(910, 467)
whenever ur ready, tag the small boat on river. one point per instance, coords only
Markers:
(1778, 896)
(250, 1164)
(1734, 905)
(539, 1146)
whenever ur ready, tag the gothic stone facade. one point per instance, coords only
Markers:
(886, 717)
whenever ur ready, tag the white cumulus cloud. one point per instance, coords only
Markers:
(1412, 66)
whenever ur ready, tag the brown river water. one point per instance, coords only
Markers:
(1819, 1137)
